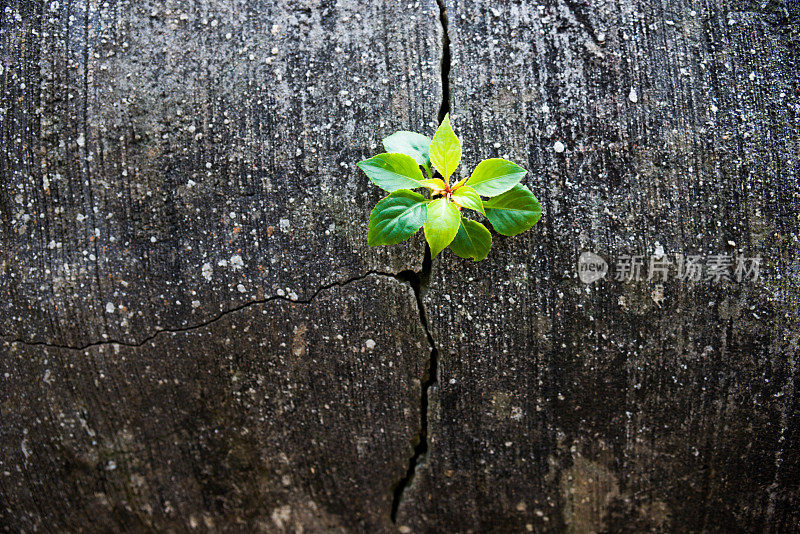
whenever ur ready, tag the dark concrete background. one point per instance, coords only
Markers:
(196, 336)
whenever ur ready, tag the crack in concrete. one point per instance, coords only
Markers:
(444, 107)
(419, 281)
(430, 377)
(341, 283)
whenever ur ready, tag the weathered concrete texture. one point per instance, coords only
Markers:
(166, 161)
(622, 406)
(272, 418)
(189, 166)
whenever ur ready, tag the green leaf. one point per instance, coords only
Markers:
(473, 240)
(467, 197)
(434, 184)
(442, 224)
(411, 144)
(397, 217)
(392, 171)
(495, 176)
(514, 211)
(445, 150)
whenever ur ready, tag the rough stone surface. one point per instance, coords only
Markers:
(188, 168)
(639, 406)
(272, 418)
(166, 161)
(196, 336)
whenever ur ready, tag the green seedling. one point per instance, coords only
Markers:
(511, 208)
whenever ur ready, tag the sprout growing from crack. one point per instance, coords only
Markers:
(511, 208)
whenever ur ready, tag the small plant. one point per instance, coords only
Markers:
(511, 207)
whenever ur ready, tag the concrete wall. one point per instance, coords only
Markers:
(196, 336)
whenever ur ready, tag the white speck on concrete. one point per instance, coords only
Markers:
(236, 262)
(370, 344)
(207, 271)
(559, 147)
(633, 96)
(109, 307)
